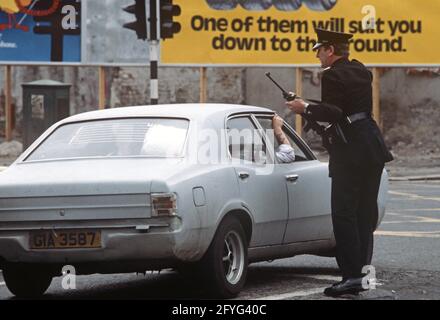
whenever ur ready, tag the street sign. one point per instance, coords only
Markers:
(40, 31)
(281, 32)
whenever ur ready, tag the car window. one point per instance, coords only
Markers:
(150, 137)
(245, 141)
(266, 124)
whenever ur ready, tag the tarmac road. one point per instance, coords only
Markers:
(407, 262)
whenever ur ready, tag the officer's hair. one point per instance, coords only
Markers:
(341, 49)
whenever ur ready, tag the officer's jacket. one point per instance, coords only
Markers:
(346, 90)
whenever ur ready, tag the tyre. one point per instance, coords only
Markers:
(320, 5)
(287, 5)
(222, 4)
(226, 261)
(255, 5)
(27, 281)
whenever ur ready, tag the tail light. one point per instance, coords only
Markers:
(163, 204)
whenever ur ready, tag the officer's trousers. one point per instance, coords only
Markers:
(354, 216)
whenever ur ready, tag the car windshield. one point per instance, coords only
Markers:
(146, 137)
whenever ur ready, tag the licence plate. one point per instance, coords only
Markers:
(65, 239)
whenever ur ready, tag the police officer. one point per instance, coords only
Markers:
(356, 162)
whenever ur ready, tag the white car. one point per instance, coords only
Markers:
(169, 186)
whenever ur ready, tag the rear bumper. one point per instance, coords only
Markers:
(136, 249)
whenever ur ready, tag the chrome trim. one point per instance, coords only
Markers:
(137, 227)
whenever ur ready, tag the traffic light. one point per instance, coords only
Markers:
(167, 13)
(140, 25)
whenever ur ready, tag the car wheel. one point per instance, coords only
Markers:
(287, 5)
(320, 5)
(226, 261)
(255, 5)
(27, 281)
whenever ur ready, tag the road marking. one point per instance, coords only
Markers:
(418, 234)
(430, 185)
(294, 294)
(424, 209)
(401, 221)
(413, 196)
(420, 219)
(320, 277)
(2, 284)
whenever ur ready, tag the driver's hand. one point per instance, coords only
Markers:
(277, 122)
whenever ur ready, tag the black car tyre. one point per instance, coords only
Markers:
(226, 261)
(320, 5)
(287, 5)
(27, 281)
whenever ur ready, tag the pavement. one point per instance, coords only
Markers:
(411, 173)
(416, 178)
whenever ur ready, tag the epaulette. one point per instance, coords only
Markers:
(324, 70)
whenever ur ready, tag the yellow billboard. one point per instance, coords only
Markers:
(281, 32)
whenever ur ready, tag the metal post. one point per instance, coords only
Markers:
(298, 118)
(101, 88)
(203, 85)
(8, 104)
(154, 53)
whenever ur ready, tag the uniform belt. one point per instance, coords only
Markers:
(357, 117)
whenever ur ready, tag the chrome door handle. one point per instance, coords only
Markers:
(243, 175)
(292, 177)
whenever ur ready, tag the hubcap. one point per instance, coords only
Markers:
(233, 257)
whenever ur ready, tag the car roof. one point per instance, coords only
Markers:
(184, 110)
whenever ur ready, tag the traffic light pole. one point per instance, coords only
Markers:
(154, 53)
(162, 11)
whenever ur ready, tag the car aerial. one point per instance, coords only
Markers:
(155, 187)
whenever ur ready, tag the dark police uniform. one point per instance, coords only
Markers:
(356, 165)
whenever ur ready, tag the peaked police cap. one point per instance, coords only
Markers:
(326, 37)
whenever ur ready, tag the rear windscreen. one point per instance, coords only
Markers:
(149, 137)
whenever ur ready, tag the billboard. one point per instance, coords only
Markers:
(281, 32)
(40, 31)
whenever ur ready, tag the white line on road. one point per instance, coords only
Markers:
(294, 294)
(430, 185)
(2, 284)
(420, 234)
(413, 196)
(320, 277)
(417, 217)
(423, 209)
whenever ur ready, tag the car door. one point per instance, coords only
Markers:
(308, 186)
(263, 193)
